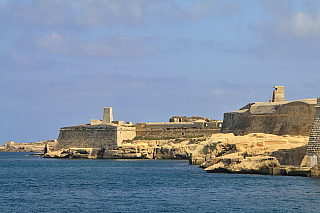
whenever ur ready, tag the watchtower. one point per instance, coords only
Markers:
(278, 94)
(107, 115)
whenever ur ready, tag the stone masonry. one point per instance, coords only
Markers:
(313, 149)
(105, 136)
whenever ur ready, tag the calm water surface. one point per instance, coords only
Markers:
(33, 184)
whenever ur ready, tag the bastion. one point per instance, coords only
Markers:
(278, 116)
(104, 133)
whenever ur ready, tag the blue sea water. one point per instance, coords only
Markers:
(33, 184)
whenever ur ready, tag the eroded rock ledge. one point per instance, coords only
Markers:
(255, 153)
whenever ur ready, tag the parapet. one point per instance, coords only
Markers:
(121, 123)
(96, 121)
(177, 119)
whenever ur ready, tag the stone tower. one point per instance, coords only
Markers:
(312, 156)
(107, 115)
(278, 94)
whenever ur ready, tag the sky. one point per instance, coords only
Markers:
(61, 62)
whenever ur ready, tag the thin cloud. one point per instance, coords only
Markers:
(14, 61)
(289, 33)
(305, 25)
(92, 14)
(102, 47)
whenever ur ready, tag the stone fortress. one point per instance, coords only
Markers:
(110, 134)
(261, 138)
(278, 117)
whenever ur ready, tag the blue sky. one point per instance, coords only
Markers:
(63, 61)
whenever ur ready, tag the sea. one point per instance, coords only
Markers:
(34, 184)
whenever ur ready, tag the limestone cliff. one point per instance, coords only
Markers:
(141, 149)
(287, 150)
(255, 153)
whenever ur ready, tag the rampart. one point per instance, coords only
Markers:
(178, 129)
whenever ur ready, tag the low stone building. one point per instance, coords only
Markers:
(277, 117)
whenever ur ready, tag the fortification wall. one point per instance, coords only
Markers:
(299, 118)
(176, 133)
(98, 136)
(181, 129)
(294, 118)
(245, 124)
(87, 139)
(179, 125)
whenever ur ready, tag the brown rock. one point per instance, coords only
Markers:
(315, 171)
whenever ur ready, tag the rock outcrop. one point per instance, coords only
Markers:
(142, 149)
(256, 153)
(249, 165)
(287, 150)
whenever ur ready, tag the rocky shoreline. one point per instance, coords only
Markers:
(255, 153)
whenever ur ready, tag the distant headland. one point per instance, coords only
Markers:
(38, 147)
